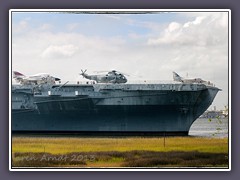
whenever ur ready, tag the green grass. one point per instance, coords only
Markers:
(61, 145)
(119, 152)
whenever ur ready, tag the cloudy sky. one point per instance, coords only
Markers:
(146, 46)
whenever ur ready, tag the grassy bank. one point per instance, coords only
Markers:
(60, 145)
(119, 152)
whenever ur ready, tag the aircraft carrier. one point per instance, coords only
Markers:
(137, 109)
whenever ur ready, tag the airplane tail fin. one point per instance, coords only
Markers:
(17, 74)
(176, 77)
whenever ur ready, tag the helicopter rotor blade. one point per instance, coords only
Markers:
(100, 71)
(114, 71)
(83, 72)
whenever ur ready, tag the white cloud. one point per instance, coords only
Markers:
(73, 26)
(45, 27)
(20, 27)
(207, 30)
(174, 26)
(197, 21)
(60, 51)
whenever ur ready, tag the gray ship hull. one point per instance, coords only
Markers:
(120, 109)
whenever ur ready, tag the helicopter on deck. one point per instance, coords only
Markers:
(114, 77)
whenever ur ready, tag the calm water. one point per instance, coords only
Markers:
(210, 128)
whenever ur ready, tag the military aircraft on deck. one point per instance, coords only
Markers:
(36, 79)
(178, 78)
(110, 77)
